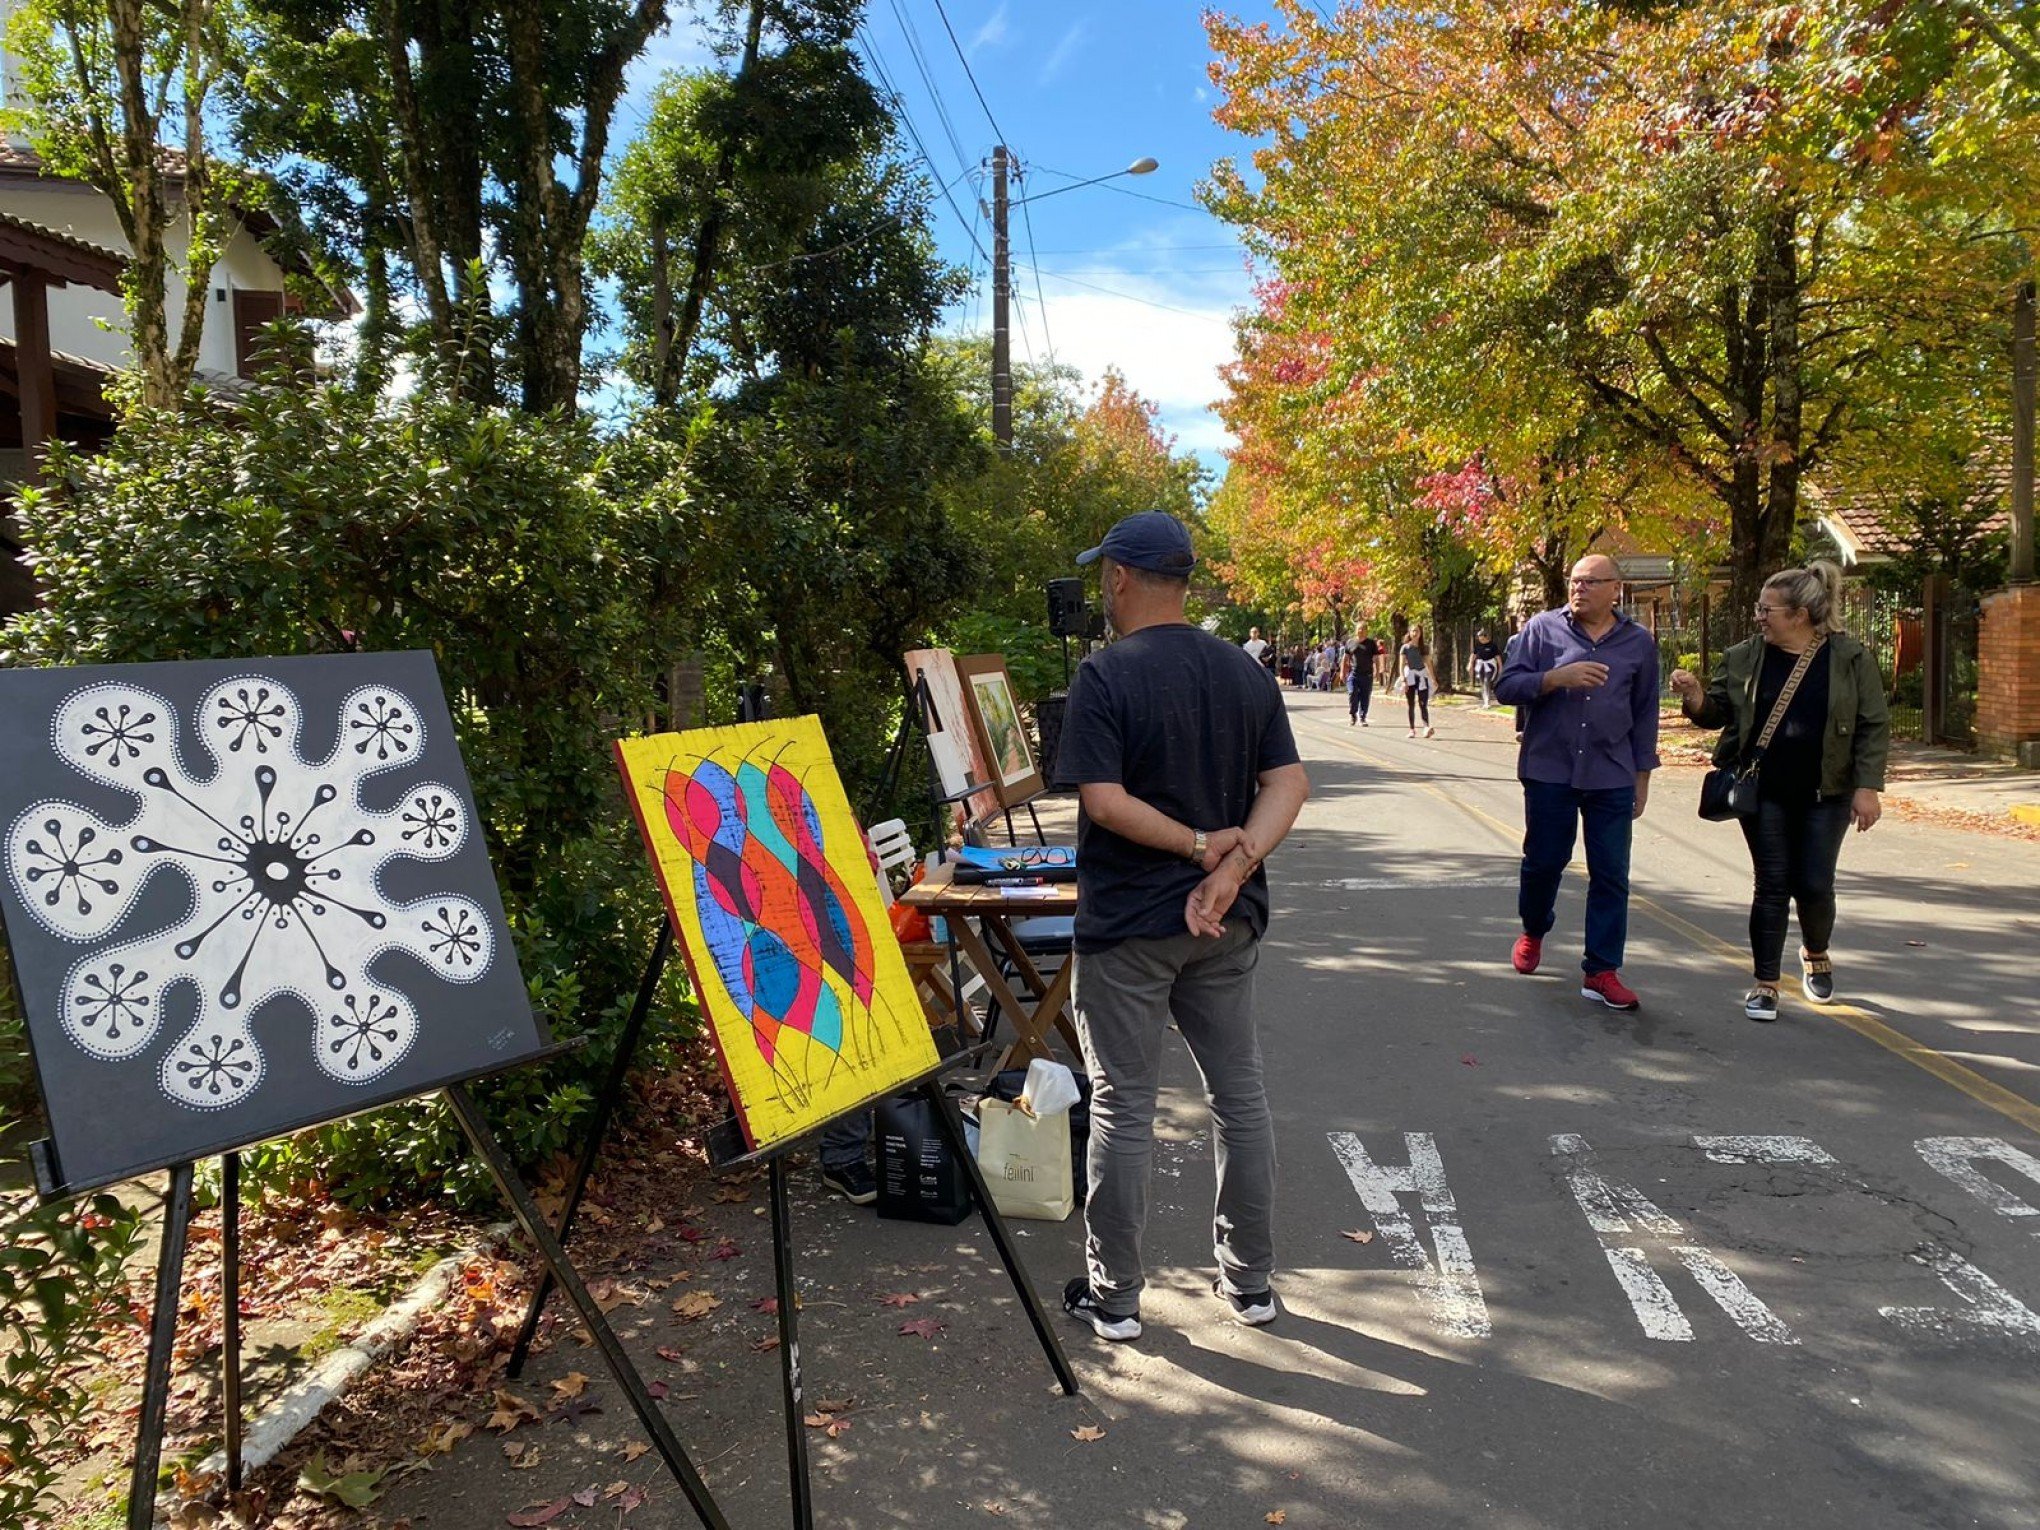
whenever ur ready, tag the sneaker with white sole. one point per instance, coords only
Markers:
(1429, 731)
(1080, 1303)
(1253, 1311)
(854, 1182)
(1817, 977)
(1761, 1004)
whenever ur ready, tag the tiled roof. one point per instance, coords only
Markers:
(1863, 517)
(57, 237)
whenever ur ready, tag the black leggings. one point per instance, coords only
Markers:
(1415, 696)
(1793, 849)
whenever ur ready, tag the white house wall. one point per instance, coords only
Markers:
(92, 324)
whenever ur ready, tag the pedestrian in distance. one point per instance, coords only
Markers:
(1487, 667)
(1589, 678)
(1419, 680)
(1820, 772)
(1362, 654)
(1255, 645)
(1187, 776)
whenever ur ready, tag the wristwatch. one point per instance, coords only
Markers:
(1197, 846)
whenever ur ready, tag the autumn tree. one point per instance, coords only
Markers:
(1515, 228)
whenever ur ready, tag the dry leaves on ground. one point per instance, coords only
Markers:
(922, 1328)
(696, 1305)
(899, 1299)
(1084, 1434)
(511, 1411)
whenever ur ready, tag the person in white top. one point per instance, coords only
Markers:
(1255, 644)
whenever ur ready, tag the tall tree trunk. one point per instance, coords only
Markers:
(141, 173)
(709, 237)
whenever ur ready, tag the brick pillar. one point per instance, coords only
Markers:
(2008, 675)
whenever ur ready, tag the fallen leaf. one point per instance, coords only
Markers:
(1357, 1235)
(633, 1450)
(511, 1410)
(357, 1490)
(441, 1438)
(525, 1458)
(540, 1513)
(899, 1299)
(769, 1342)
(656, 1225)
(922, 1328)
(1276, 1517)
(657, 1389)
(1469, 1060)
(588, 1496)
(837, 1404)
(668, 1352)
(768, 1305)
(835, 1427)
(573, 1384)
(732, 1194)
(725, 1249)
(1084, 1434)
(616, 1488)
(690, 1232)
(696, 1304)
(634, 1499)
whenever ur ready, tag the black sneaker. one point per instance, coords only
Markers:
(1817, 977)
(854, 1182)
(1080, 1304)
(1253, 1311)
(1761, 1004)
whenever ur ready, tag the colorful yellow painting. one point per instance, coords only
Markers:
(795, 964)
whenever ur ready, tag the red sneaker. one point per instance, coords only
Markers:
(1608, 989)
(1529, 951)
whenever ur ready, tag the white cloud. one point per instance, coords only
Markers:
(1166, 333)
(991, 34)
(1062, 53)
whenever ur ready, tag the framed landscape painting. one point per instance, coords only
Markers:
(995, 716)
(952, 737)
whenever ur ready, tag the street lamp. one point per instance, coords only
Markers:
(1002, 280)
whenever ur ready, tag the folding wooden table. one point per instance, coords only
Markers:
(980, 920)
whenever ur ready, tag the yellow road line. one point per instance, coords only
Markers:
(1984, 1091)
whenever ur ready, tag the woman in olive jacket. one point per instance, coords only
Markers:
(1822, 771)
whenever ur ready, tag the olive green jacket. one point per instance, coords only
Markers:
(1858, 740)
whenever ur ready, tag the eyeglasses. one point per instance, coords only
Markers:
(1763, 610)
(1580, 584)
(1028, 859)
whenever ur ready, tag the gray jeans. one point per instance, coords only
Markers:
(1125, 998)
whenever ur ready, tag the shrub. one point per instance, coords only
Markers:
(538, 563)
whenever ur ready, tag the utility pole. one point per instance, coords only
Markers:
(2022, 435)
(1002, 297)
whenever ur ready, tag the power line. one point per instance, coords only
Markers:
(963, 58)
(1126, 191)
(928, 79)
(1033, 259)
(899, 104)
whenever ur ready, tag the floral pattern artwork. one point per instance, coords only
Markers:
(283, 862)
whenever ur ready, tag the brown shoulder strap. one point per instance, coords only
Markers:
(1786, 694)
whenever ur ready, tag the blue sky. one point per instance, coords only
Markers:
(1131, 273)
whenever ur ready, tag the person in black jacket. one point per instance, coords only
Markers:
(1821, 772)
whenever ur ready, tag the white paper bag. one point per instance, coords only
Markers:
(1026, 1161)
(1050, 1089)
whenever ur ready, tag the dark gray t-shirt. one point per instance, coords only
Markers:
(1187, 723)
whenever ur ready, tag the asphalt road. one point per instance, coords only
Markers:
(1672, 1268)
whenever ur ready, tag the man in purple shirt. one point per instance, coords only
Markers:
(1588, 676)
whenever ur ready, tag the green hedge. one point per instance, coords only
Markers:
(539, 563)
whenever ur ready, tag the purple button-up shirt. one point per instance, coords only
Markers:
(1590, 740)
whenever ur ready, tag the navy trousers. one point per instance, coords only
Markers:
(1552, 817)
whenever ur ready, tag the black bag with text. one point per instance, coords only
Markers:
(1732, 791)
(920, 1178)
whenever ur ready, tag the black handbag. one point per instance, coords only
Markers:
(1730, 791)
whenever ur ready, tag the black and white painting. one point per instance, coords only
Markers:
(244, 897)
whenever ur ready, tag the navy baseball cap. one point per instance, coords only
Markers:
(1153, 539)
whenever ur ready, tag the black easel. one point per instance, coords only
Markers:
(727, 1151)
(177, 1209)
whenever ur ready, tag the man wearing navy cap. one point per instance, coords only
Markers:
(1187, 777)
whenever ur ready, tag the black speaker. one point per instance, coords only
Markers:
(1067, 612)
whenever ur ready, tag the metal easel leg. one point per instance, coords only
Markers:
(789, 1350)
(230, 1287)
(162, 1340)
(1002, 1240)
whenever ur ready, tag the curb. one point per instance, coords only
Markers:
(2027, 813)
(290, 1415)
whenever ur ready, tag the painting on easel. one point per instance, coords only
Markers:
(772, 895)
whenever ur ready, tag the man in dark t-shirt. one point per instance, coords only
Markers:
(1188, 776)
(1362, 654)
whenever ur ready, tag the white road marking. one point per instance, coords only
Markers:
(1614, 1209)
(1771, 1150)
(1992, 1311)
(1450, 1283)
(1413, 884)
(1956, 1157)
